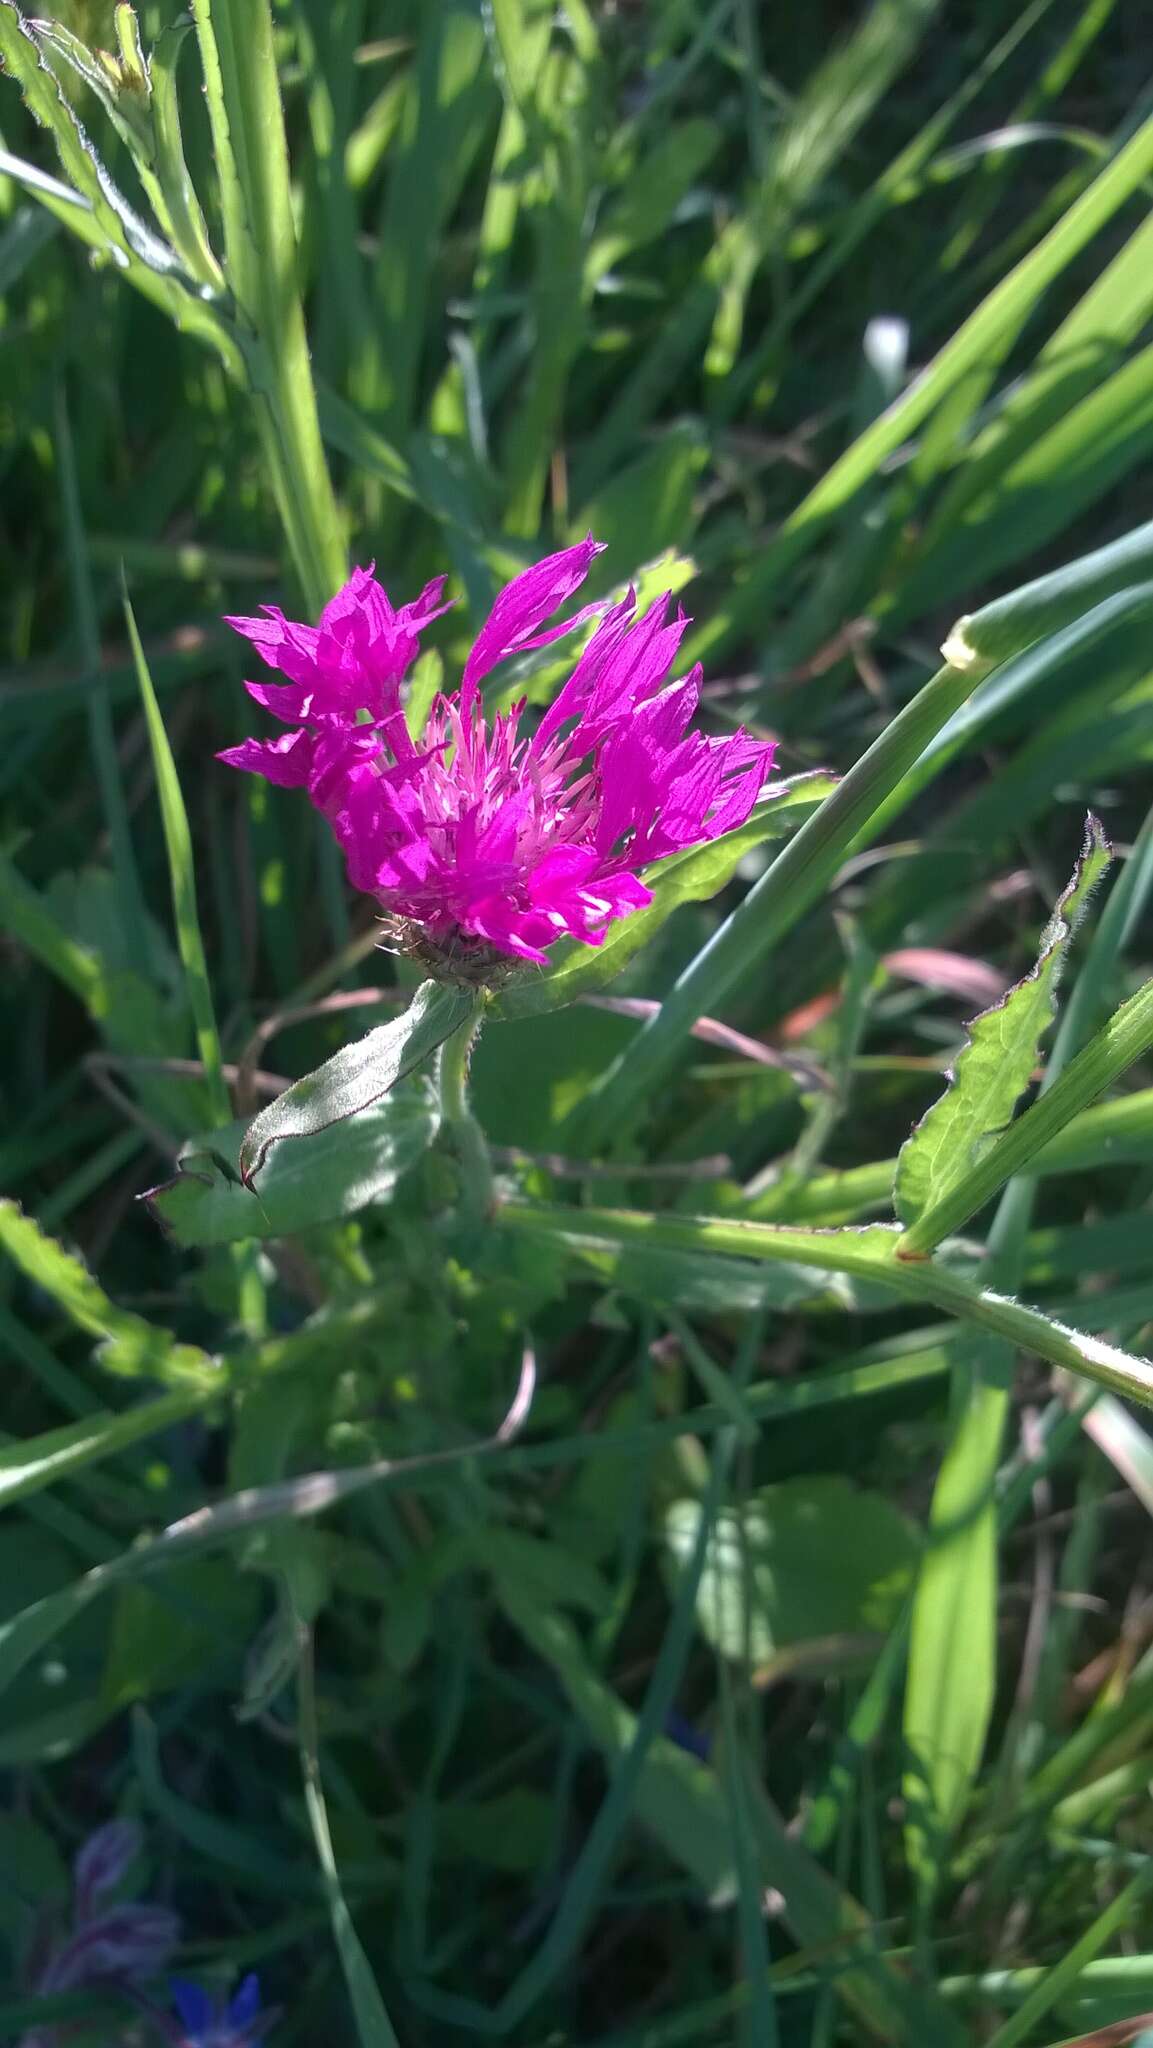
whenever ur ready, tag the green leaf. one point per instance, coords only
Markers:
(997, 1063)
(961, 357)
(26, 915)
(130, 1345)
(120, 223)
(691, 877)
(374, 2029)
(813, 1558)
(544, 1571)
(182, 880)
(204, 1616)
(342, 1169)
(952, 1649)
(1125, 1038)
(246, 112)
(647, 507)
(185, 218)
(41, 1460)
(643, 207)
(358, 1075)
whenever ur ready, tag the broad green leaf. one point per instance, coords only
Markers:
(358, 1076)
(341, 1169)
(27, 1633)
(690, 877)
(130, 1345)
(812, 1558)
(204, 1617)
(543, 1570)
(41, 1460)
(998, 1060)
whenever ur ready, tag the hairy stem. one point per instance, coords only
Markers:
(464, 1133)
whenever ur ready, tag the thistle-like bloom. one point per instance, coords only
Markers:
(482, 838)
(235, 2023)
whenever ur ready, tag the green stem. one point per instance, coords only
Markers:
(464, 1133)
(244, 105)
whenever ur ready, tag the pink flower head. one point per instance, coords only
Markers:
(485, 838)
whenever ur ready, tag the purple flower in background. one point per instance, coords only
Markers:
(234, 2023)
(483, 840)
(122, 1944)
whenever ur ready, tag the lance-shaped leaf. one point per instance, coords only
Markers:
(342, 1169)
(998, 1061)
(130, 1345)
(690, 877)
(358, 1075)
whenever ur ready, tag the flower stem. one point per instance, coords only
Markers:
(463, 1132)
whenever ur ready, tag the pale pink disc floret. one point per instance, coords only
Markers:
(485, 833)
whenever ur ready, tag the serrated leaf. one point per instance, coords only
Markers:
(119, 220)
(131, 1345)
(342, 1169)
(691, 877)
(998, 1061)
(358, 1076)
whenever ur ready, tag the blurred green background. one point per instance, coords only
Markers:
(836, 320)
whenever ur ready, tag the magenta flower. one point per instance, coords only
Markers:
(484, 839)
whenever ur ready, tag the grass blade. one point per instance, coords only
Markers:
(182, 879)
(772, 907)
(244, 105)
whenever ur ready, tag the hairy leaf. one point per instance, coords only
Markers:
(343, 1168)
(357, 1076)
(997, 1063)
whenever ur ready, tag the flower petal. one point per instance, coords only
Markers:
(286, 761)
(195, 2008)
(522, 607)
